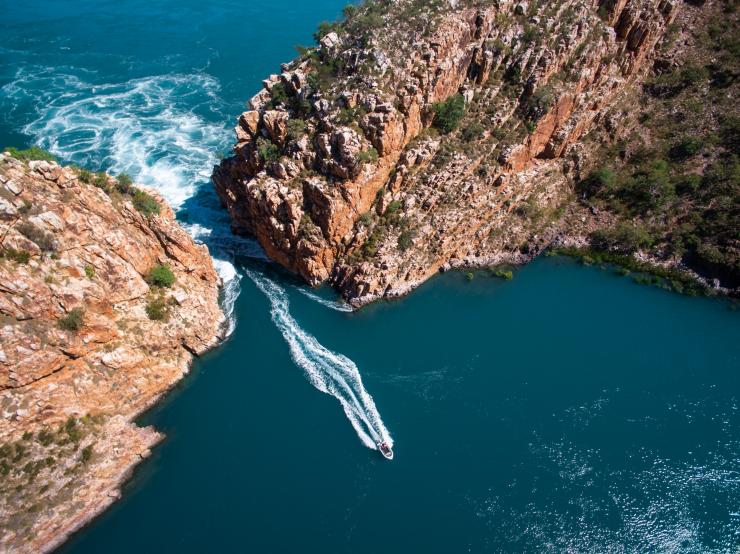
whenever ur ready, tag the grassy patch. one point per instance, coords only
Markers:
(30, 154)
(73, 321)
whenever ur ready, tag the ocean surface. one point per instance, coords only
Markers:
(568, 410)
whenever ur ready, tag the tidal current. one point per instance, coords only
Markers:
(569, 410)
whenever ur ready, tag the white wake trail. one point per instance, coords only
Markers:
(328, 371)
(331, 304)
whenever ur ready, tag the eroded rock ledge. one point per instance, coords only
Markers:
(341, 178)
(68, 393)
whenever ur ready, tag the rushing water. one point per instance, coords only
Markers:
(567, 410)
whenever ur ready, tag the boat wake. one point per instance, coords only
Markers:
(165, 131)
(330, 372)
(331, 304)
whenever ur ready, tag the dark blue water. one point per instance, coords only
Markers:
(567, 410)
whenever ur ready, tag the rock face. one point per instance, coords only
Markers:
(80, 354)
(339, 174)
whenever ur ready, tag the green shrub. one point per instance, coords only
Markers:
(730, 133)
(296, 128)
(447, 114)
(324, 29)
(29, 154)
(87, 453)
(685, 148)
(161, 276)
(472, 131)
(100, 180)
(368, 156)
(366, 219)
(393, 207)
(89, 271)
(405, 240)
(18, 256)
(268, 151)
(124, 183)
(688, 184)
(73, 321)
(278, 94)
(157, 309)
(84, 175)
(596, 180)
(537, 104)
(145, 202)
(73, 429)
(503, 273)
(625, 237)
(45, 437)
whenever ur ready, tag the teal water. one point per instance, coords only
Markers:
(567, 410)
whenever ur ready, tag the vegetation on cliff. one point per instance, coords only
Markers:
(456, 137)
(102, 305)
(673, 182)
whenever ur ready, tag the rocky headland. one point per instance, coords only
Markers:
(419, 136)
(104, 301)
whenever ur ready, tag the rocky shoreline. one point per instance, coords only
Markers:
(346, 172)
(104, 301)
(455, 138)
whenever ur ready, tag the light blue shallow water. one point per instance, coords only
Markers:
(567, 410)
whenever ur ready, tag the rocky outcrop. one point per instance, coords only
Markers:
(86, 341)
(339, 174)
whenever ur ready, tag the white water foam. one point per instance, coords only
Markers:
(147, 127)
(335, 305)
(328, 371)
(152, 128)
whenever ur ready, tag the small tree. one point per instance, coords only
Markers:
(124, 183)
(447, 114)
(161, 276)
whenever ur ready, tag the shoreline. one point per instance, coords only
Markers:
(560, 245)
(114, 492)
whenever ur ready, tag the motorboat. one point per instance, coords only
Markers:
(385, 450)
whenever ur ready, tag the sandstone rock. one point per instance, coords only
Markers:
(468, 207)
(116, 364)
(276, 124)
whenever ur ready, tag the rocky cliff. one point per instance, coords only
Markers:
(104, 300)
(352, 167)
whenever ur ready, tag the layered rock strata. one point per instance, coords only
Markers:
(340, 175)
(86, 342)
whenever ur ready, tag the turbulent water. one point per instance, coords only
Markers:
(166, 131)
(568, 410)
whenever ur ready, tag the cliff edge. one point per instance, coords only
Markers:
(422, 136)
(104, 300)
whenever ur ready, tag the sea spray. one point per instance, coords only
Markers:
(328, 371)
(152, 128)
